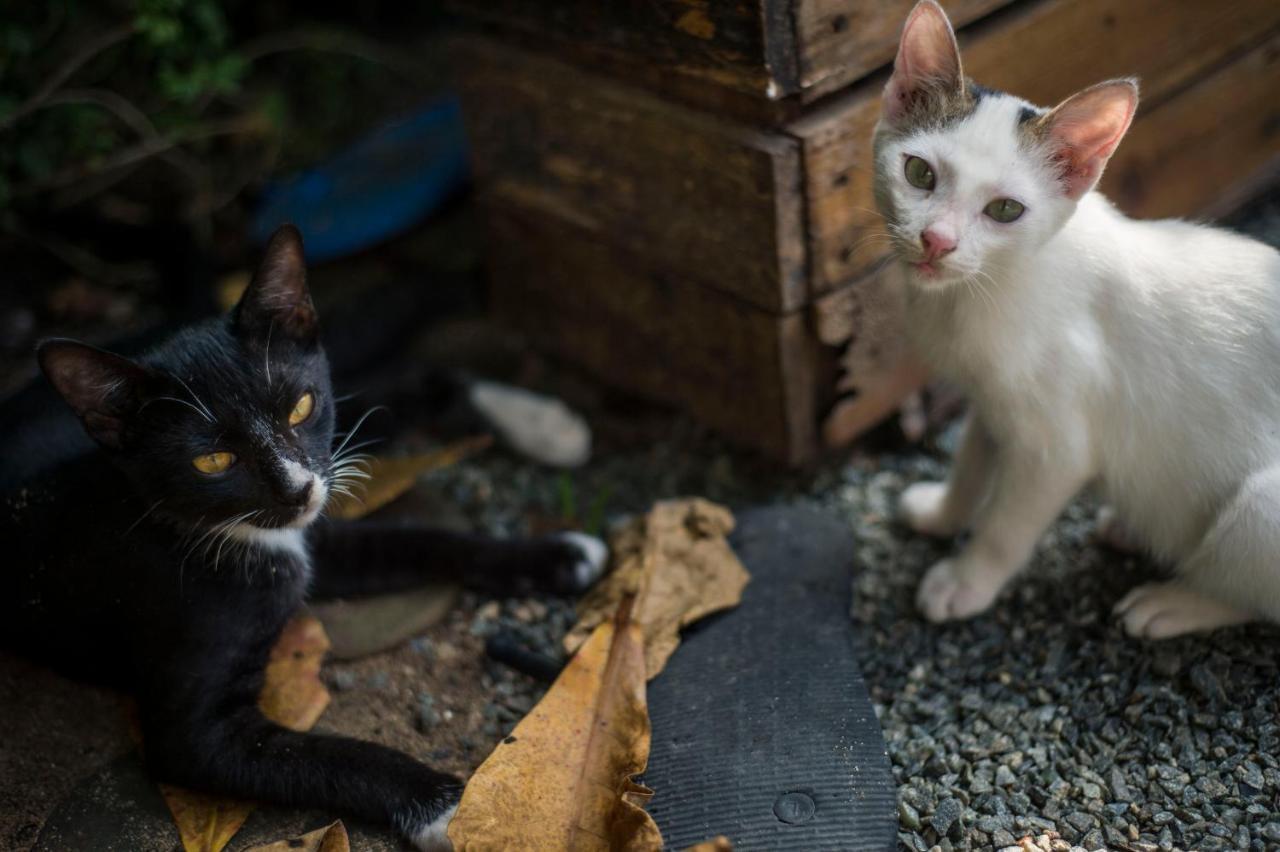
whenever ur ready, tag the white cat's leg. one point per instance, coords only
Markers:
(942, 510)
(1027, 495)
(1232, 577)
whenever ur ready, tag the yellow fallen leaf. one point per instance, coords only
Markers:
(331, 838)
(292, 693)
(228, 289)
(716, 844)
(293, 696)
(678, 564)
(563, 779)
(389, 477)
(205, 823)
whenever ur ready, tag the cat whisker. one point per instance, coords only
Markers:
(141, 517)
(351, 452)
(179, 401)
(208, 415)
(351, 434)
(266, 358)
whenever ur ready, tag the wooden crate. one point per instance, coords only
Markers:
(771, 50)
(649, 226)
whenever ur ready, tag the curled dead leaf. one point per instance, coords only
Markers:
(677, 562)
(715, 844)
(567, 769)
(331, 838)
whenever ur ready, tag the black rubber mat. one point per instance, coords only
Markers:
(762, 727)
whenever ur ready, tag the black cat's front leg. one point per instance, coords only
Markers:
(244, 755)
(371, 557)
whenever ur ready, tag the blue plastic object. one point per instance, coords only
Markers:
(377, 188)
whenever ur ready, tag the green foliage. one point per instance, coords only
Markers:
(179, 104)
(83, 80)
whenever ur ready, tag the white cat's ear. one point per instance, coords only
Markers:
(927, 66)
(277, 301)
(103, 389)
(1083, 131)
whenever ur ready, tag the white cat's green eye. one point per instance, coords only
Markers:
(919, 173)
(302, 409)
(1004, 210)
(212, 463)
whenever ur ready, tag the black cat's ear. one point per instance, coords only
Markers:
(103, 389)
(277, 301)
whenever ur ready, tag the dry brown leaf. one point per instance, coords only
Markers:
(391, 477)
(205, 823)
(331, 838)
(678, 564)
(563, 779)
(293, 696)
(716, 844)
(229, 288)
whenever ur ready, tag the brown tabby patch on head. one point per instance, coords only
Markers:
(941, 103)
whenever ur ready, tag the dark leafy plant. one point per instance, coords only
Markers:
(170, 108)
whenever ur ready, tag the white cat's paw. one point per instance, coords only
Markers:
(921, 508)
(947, 592)
(432, 835)
(592, 561)
(1165, 610)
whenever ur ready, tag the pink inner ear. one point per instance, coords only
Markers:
(927, 55)
(1085, 130)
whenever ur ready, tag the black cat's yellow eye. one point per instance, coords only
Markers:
(1004, 210)
(212, 463)
(919, 173)
(302, 409)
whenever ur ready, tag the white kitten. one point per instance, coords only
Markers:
(1143, 356)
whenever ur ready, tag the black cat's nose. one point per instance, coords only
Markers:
(299, 497)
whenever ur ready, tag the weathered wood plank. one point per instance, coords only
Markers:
(1043, 52)
(722, 42)
(1186, 156)
(1190, 154)
(767, 49)
(745, 372)
(839, 42)
(714, 200)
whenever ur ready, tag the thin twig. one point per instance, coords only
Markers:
(74, 63)
(142, 151)
(87, 264)
(334, 41)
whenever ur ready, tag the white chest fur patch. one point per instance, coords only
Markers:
(287, 540)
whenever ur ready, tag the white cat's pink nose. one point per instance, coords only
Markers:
(936, 243)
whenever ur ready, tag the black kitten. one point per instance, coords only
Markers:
(166, 553)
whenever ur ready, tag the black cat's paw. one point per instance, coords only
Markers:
(427, 829)
(582, 561)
